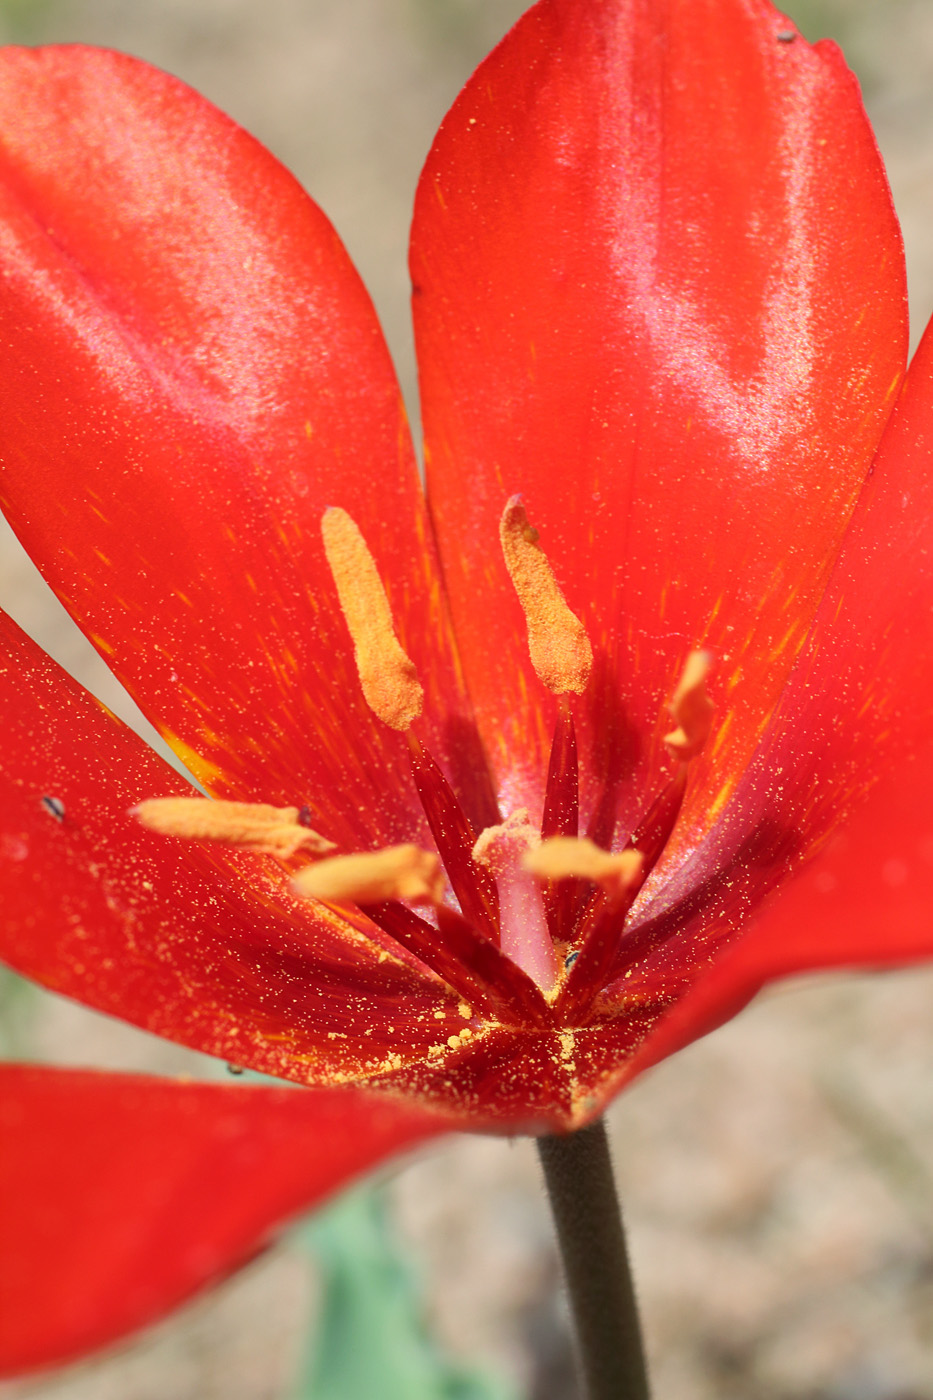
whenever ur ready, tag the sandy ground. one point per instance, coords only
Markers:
(778, 1176)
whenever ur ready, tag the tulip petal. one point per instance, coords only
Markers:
(203, 946)
(659, 291)
(122, 1195)
(839, 795)
(866, 901)
(197, 374)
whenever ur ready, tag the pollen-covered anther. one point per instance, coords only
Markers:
(387, 674)
(254, 826)
(576, 857)
(372, 877)
(691, 709)
(560, 649)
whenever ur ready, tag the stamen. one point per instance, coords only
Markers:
(274, 831)
(654, 830)
(561, 794)
(560, 649)
(691, 708)
(372, 877)
(568, 857)
(390, 683)
(523, 925)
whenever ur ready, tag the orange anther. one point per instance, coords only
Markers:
(254, 826)
(576, 857)
(560, 649)
(390, 683)
(371, 877)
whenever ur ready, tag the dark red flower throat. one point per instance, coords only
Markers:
(529, 926)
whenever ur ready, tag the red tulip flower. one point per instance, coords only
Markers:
(517, 788)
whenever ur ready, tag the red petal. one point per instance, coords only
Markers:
(121, 1195)
(199, 373)
(659, 290)
(847, 766)
(205, 948)
(865, 901)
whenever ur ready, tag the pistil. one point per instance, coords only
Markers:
(525, 935)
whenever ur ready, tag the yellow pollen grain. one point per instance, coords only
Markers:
(560, 649)
(253, 826)
(371, 877)
(576, 857)
(691, 709)
(390, 683)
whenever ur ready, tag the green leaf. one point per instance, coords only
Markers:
(371, 1339)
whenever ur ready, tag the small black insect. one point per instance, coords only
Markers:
(235, 1069)
(54, 806)
(571, 958)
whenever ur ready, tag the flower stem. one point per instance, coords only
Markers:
(578, 1174)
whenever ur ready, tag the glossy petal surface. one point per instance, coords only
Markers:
(206, 948)
(121, 1195)
(659, 291)
(204, 375)
(844, 778)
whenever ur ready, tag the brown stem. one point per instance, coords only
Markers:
(578, 1174)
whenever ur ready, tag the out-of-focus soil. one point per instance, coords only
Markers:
(778, 1176)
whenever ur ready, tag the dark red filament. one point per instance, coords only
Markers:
(464, 947)
(562, 899)
(472, 883)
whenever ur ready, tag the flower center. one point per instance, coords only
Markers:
(534, 917)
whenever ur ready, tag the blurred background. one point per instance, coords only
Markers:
(778, 1176)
